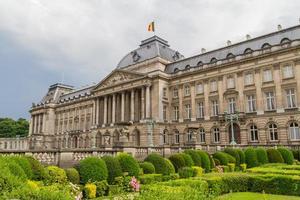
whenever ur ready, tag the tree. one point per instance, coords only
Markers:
(12, 128)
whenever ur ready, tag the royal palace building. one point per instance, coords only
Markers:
(242, 94)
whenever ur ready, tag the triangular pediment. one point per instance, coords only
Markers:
(118, 76)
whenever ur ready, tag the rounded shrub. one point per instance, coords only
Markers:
(15, 169)
(205, 160)
(195, 156)
(296, 154)
(92, 169)
(287, 155)
(128, 164)
(37, 168)
(251, 158)
(148, 167)
(72, 175)
(231, 159)
(274, 156)
(262, 155)
(24, 164)
(187, 160)
(234, 154)
(186, 172)
(56, 174)
(113, 167)
(8, 181)
(222, 157)
(161, 165)
(177, 160)
(242, 156)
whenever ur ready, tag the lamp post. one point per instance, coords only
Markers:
(232, 117)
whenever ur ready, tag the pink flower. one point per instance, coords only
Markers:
(135, 184)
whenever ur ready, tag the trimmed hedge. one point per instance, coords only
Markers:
(251, 157)
(186, 172)
(72, 175)
(233, 153)
(195, 156)
(148, 167)
(151, 178)
(262, 156)
(56, 175)
(296, 154)
(113, 167)
(92, 169)
(274, 156)
(187, 160)
(287, 155)
(161, 165)
(24, 164)
(177, 161)
(231, 159)
(14, 168)
(37, 168)
(242, 156)
(205, 160)
(129, 164)
(221, 157)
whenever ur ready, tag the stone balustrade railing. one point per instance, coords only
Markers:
(14, 143)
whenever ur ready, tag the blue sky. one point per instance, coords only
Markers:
(42, 41)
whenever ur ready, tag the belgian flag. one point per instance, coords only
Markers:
(151, 27)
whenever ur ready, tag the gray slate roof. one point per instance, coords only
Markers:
(275, 38)
(150, 48)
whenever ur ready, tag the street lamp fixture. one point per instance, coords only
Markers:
(231, 118)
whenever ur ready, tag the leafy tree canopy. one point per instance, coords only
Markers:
(13, 128)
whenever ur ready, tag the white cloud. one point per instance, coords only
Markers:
(87, 38)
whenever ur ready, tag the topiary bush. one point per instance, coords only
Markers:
(262, 156)
(251, 157)
(234, 154)
(221, 157)
(128, 164)
(296, 154)
(72, 175)
(161, 165)
(241, 155)
(7, 180)
(205, 160)
(195, 156)
(187, 160)
(92, 169)
(186, 172)
(231, 159)
(37, 168)
(148, 167)
(113, 167)
(15, 169)
(178, 161)
(24, 164)
(287, 155)
(198, 171)
(56, 175)
(274, 156)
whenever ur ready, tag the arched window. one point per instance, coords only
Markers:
(266, 46)
(189, 135)
(273, 132)
(230, 56)
(177, 137)
(176, 70)
(199, 63)
(187, 67)
(294, 131)
(285, 41)
(253, 133)
(201, 135)
(216, 135)
(213, 60)
(248, 51)
(165, 136)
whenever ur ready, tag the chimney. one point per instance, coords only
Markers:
(248, 37)
(279, 27)
(203, 50)
(228, 42)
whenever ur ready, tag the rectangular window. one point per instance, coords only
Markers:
(176, 112)
(175, 92)
(288, 71)
(291, 98)
(231, 105)
(268, 75)
(200, 110)
(165, 112)
(270, 101)
(199, 88)
(187, 91)
(213, 86)
(177, 137)
(251, 103)
(165, 92)
(215, 108)
(248, 79)
(188, 111)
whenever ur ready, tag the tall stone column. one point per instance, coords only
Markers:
(148, 101)
(44, 123)
(113, 113)
(193, 103)
(132, 105)
(259, 94)
(105, 111)
(94, 113)
(123, 107)
(30, 126)
(142, 103)
(97, 112)
(34, 124)
(38, 124)
(58, 123)
(206, 101)
(278, 89)
(180, 100)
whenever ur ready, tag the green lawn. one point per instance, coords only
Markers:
(255, 196)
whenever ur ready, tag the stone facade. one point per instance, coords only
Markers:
(157, 100)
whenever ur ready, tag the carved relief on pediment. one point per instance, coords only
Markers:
(118, 77)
